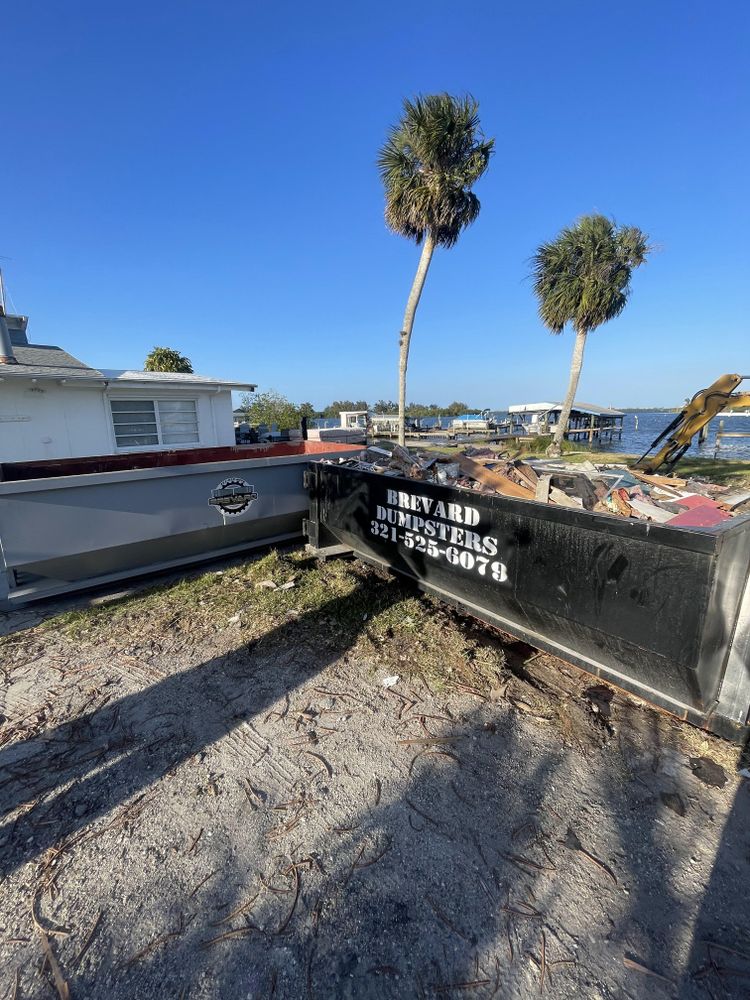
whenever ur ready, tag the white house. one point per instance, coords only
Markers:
(54, 406)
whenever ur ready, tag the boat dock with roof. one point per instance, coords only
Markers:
(587, 421)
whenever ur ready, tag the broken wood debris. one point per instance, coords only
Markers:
(606, 488)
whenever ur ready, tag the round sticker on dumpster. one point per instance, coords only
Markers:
(233, 496)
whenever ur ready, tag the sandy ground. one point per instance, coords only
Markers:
(224, 818)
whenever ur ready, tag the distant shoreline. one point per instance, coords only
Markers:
(650, 409)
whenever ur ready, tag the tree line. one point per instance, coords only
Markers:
(272, 407)
(390, 406)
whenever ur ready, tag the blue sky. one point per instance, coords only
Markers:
(202, 175)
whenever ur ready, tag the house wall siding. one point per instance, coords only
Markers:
(54, 421)
(223, 416)
(51, 422)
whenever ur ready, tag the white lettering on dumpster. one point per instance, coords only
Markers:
(440, 531)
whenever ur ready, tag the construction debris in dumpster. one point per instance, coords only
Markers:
(603, 488)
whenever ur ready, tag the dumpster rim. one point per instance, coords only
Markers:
(12, 487)
(696, 539)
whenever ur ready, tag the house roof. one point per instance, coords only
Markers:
(46, 361)
(602, 411)
(599, 411)
(531, 407)
(120, 376)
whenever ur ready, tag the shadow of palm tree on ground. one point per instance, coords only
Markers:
(436, 869)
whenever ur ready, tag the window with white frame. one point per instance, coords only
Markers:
(139, 423)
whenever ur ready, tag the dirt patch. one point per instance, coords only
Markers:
(209, 791)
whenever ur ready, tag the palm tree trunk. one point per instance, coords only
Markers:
(555, 449)
(408, 325)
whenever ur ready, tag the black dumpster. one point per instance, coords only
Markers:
(662, 612)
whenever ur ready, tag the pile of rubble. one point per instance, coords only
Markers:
(600, 488)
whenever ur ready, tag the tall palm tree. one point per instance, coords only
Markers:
(428, 165)
(583, 278)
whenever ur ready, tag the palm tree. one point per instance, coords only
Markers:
(583, 278)
(428, 165)
(165, 359)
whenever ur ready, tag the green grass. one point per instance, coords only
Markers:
(732, 472)
(339, 604)
(513, 446)
(537, 447)
(729, 471)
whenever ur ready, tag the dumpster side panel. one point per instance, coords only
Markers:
(734, 696)
(53, 523)
(610, 594)
(726, 638)
(78, 529)
(153, 554)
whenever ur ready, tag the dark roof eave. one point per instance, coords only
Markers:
(182, 384)
(12, 371)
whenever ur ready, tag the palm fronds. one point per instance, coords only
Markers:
(583, 276)
(428, 165)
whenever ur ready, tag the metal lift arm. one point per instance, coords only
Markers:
(702, 408)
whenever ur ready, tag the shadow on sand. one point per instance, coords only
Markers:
(457, 877)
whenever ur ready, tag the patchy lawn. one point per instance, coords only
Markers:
(732, 472)
(344, 603)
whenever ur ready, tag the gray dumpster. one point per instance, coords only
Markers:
(70, 524)
(661, 611)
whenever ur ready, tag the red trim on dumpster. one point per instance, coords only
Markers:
(52, 468)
